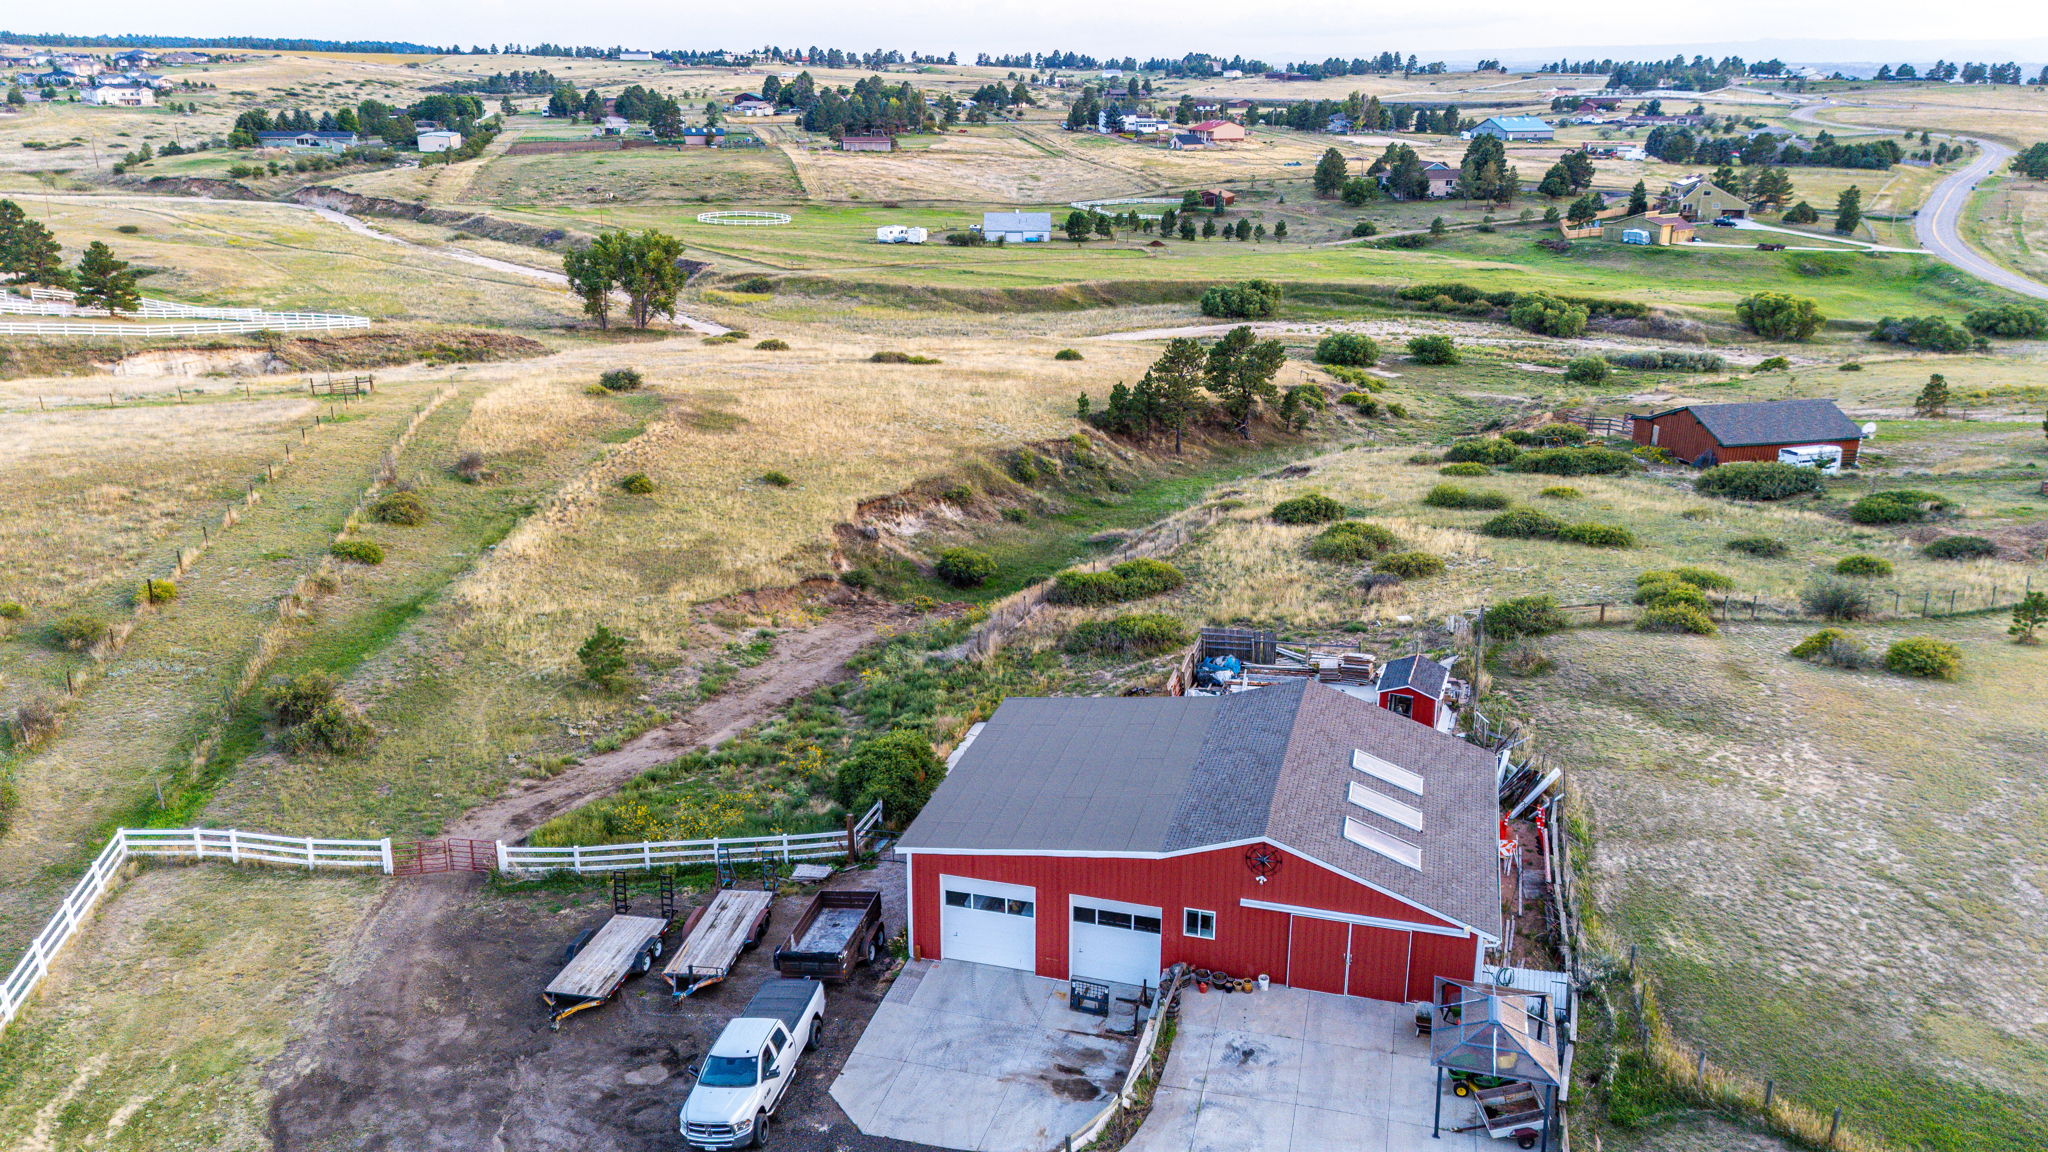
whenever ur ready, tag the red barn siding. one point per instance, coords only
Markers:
(1249, 941)
(1422, 709)
(1682, 434)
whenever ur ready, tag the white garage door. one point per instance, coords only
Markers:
(1110, 940)
(983, 922)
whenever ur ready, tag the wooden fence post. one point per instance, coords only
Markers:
(1834, 1125)
(1770, 1090)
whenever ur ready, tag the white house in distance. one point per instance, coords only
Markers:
(440, 140)
(751, 105)
(124, 97)
(1017, 227)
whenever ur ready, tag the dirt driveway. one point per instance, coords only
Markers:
(441, 1044)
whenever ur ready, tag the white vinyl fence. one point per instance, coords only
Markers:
(201, 320)
(650, 854)
(239, 847)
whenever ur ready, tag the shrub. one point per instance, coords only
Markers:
(637, 483)
(1763, 546)
(897, 768)
(965, 567)
(36, 718)
(1245, 300)
(1773, 364)
(335, 726)
(1898, 506)
(1778, 316)
(1861, 565)
(901, 358)
(603, 656)
(1067, 354)
(1133, 634)
(1311, 508)
(1598, 535)
(1523, 524)
(292, 700)
(1677, 618)
(1924, 656)
(1850, 366)
(1836, 600)
(11, 610)
(958, 494)
(1546, 315)
(158, 591)
(1525, 616)
(621, 380)
(1573, 462)
(1363, 401)
(1586, 370)
(1433, 350)
(1933, 333)
(357, 551)
(1486, 450)
(776, 478)
(1834, 647)
(78, 631)
(1758, 480)
(403, 507)
(1549, 435)
(2015, 321)
(1466, 468)
(1665, 360)
(1352, 541)
(1670, 593)
(1960, 548)
(1459, 496)
(1561, 492)
(772, 345)
(1130, 580)
(1349, 349)
(471, 468)
(1411, 565)
(1365, 228)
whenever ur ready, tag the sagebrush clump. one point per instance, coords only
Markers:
(1132, 634)
(1465, 468)
(1312, 508)
(1524, 616)
(357, 551)
(637, 483)
(1833, 647)
(1411, 565)
(621, 380)
(965, 567)
(1749, 480)
(1350, 541)
(1459, 496)
(404, 508)
(1926, 657)
(1861, 565)
(1130, 580)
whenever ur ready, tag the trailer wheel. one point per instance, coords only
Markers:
(874, 947)
(760, 1130)
(656, 947)
(1525, 1139)
(643, 963)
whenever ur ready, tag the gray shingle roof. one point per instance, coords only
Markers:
(1162, 775)
(1418, 672)
(1773, 422)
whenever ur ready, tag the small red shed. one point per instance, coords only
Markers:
(1707, 434)
(1413, 686)
(1292, 831)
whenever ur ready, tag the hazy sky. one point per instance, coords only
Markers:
(1298, 29)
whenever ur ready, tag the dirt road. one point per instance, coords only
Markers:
(433, 1037)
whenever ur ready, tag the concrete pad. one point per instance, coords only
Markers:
(1201, 1008)
(946, 1107)
(1187, 1065)
(1411, 1084)
(1352, 1022)
(1323, 1130)
(1341, 1079)
(1266, 1013)
(1022, 1122)
(984, 992)
(864, 1081)
(1255, 1066)
(1229, 1123)
(1404, 1136)
(1170, 1127)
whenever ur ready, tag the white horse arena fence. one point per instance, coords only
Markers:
(237, 847)
(744, 219)
(198, 320)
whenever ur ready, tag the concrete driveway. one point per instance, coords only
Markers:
(982, 1059)
(1293, 1071)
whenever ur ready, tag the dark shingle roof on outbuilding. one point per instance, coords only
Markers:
(1417, 672)
(1772, 422)
(1157, 776)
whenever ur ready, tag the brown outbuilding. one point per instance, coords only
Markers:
(1707, 434)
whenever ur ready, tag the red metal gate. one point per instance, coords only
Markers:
(420, 857)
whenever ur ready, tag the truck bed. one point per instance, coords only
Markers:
(597, 969)
(784, 1000)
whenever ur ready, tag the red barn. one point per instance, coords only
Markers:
(1413, 686)
(1293, 832)
(1707, 434)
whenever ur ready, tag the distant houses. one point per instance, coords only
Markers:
(1698, 198)
(1218, 132)
(122, 97)
(749, 104)
(439, 140)
(1515, 128)
(610, 126)
(1655, 229)
(867, 144)
(703, 136)
(309, 141)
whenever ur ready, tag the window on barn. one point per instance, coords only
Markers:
(1198, 924)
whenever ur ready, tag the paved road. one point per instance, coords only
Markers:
(1936, 225)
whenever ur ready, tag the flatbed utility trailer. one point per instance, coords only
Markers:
(596, 967)
(714, 938)
(839, 932)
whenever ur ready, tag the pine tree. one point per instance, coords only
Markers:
(27, 250)
(1638, 199)
(1556, 183)
(104, 282)
(1848, 210)
(1177, 378)
(1330, 173)
(1240, 369)
(1280, 231)
(1933, 399)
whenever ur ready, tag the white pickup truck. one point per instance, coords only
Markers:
(750, 1066)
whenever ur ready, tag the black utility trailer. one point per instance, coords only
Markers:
(839, 932)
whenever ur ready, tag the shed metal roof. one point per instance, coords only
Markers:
(1518, 123)
(1157, 776)
(1772, 422)
(1016, 221)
